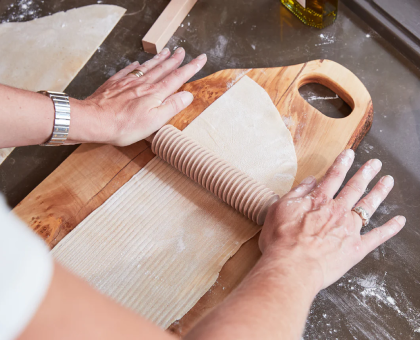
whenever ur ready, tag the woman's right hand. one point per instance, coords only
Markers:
(310, 229)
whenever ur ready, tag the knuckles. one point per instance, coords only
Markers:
(176, 107)
(148, 88)
(177, 72)
(319, 199)
(334, 171)
(353, 186)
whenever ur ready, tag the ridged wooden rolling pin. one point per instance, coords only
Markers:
(234, 187)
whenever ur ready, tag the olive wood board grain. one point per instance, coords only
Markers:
(89, 176)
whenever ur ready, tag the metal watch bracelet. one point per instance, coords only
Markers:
(61, 119)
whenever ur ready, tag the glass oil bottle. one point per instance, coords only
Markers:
(317, 13)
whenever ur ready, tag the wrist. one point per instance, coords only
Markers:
(84, 124)
(297, 267)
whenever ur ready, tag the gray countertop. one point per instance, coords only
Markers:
(380, 297)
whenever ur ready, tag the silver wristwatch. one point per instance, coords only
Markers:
(61, 119)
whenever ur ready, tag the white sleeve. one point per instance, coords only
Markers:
(26, 268)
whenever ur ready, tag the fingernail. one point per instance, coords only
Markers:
(198, 68)
(186, 98)
(308, 180)
(201, 56)
(164, 51)
(350, 153)
(346, 157)
(179, 50)
(401, 220)
(376, 164)
(136, 62)
(388, 181)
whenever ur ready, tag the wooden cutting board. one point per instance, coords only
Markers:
(94, 172)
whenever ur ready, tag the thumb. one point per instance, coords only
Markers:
(173, 105)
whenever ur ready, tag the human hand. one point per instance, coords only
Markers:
(307, 228)
(127, 108)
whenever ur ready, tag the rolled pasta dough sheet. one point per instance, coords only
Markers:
(158, 244)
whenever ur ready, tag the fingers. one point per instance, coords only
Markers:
(375, 197)
(303, 188)
(335, 175)
(177, 78)
(165, 68)
(377, 236)
(357, 185)
(145, 67)
(125, 71)
(171, 106)
(150, 64)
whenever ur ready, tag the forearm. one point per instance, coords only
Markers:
(26, 117)
(271, 303)
(74, 310)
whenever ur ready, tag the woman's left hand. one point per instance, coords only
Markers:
(127, 108)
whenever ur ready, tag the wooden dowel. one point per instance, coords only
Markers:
(165, 26)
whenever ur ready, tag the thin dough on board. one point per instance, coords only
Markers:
(158, 244)
(47, 53)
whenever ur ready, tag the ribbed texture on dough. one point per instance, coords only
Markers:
(232, 186)
(133, 249)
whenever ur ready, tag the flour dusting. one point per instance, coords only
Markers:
(288, 121)
(23, 10)
(326, 39)
(365, 146)
(219, 50)
(355, 304)
(375, 289)
(229, 84)
(312, 98)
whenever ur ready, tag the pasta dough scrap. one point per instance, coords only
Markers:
(158, 244)
(47, 53)
(4, 153)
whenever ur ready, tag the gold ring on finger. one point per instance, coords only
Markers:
(364, 215)
(137, 73)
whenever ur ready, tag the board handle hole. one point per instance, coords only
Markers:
(325, 100)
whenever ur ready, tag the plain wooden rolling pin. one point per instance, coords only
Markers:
(234, 187)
